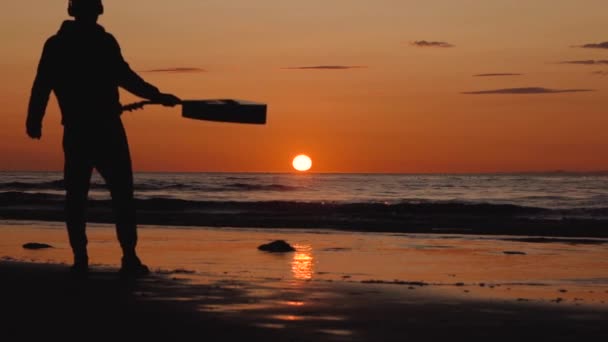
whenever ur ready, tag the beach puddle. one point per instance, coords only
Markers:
(336, 332)
(269, 325)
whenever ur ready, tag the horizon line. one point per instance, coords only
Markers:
(548, 172)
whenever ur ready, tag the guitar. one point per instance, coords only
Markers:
(224, 110)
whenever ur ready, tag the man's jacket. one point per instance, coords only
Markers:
(84, 66)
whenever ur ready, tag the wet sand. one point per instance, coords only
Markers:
(213, 284)
(42, 301)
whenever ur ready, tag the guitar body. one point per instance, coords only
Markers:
(234, 111)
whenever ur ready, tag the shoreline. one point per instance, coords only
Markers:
(421, 224)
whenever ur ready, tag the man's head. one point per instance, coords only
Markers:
(86, 10)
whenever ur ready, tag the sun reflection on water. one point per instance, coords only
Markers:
(302, 265)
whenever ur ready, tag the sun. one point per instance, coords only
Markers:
(302, 163)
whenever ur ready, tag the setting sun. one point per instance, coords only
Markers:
(302, 163)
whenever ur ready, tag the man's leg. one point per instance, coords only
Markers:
(115, 167)
(77, 177)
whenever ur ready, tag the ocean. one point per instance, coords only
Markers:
(376, 202)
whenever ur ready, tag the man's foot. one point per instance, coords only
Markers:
(80, 267)
(133, 267)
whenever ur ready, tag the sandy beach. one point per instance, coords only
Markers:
(214, 284)
(432, 169)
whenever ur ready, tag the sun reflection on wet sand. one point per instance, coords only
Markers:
(287, 317)
(293, 303)
(302, 265)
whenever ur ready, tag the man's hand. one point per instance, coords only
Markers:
(34, 129)
(167, 100)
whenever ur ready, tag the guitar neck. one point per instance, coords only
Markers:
(136, 105)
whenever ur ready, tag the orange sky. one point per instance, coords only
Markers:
(404, 112)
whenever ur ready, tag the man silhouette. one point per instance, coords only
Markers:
(83, 65)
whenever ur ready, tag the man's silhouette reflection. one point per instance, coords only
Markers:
(84, 66)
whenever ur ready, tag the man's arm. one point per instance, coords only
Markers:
(41, 91)
(132, 82)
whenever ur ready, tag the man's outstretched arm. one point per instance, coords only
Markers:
(41, 91)
(133, 83)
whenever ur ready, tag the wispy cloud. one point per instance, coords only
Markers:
(600, 73)
(603, 45)
(326, 67)
(529, 90)
(497, 75)
(425, 43)
(178, 70)
(587, 62)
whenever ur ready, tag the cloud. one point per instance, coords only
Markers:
(529, 90)
(600, 73)
(424, 44)
(587, 62)
(497, 75)
(178, 70)
(326, 67)
(603, 45)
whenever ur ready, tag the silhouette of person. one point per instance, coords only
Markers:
(83, 65)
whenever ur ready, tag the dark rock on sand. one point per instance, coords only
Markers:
(35, 245)
(279, 246)
(514, 253)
